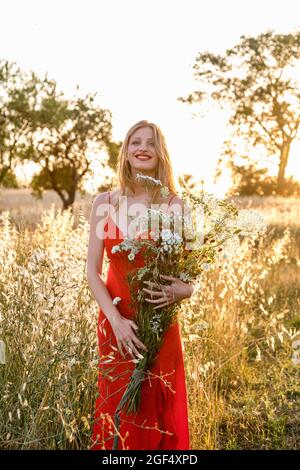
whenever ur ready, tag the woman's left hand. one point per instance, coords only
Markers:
(177, 290)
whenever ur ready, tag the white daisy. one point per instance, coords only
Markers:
(148, 179)
(206, 266)
(184, 277)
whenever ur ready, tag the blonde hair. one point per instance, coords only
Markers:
(163, 171)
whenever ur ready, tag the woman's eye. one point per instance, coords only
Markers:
(135, 142)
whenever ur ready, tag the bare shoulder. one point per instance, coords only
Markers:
(178, 205)
(99, 208)
(105, 202)
(114, 194)
(106, 195)
(101, 198)
(176, 202)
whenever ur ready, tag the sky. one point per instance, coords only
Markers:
(138, 56)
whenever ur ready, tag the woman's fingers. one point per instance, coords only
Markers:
(153, 284)
(124, 346)
(167, 295)
(152, 292)
(120, 348)
(137, 341)
(141, 345)
(162, 305)
(165, 291)
(156, 301)
(168, 278)
(131, 348)
(134, 325)
(126, 339)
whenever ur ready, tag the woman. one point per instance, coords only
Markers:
(162, 420)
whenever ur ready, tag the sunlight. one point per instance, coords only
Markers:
(141, 79)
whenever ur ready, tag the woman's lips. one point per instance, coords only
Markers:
(143, 157)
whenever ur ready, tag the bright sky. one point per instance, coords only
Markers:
(138, 55)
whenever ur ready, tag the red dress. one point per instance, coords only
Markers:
(162, 420)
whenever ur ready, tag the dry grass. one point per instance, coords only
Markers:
(237, 332)
(26, 210)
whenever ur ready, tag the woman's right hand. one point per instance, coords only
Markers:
(123, 330)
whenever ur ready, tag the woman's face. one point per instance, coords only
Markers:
(141, 151)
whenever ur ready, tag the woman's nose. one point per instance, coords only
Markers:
(143, 149)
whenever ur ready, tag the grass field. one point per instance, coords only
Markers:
(238, 332)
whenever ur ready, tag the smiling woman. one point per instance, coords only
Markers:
(141, 147)
(162, 419)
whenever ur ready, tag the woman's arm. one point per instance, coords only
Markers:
(121, 326)
(95, 258)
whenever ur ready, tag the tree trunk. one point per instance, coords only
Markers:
(284, 156)
(71, 199)
(3, 173)
(67, 204)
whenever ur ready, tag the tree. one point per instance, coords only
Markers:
(68, 134)
(252, 79)
(113, 149)
(108, 180)
(10, 180)
(18, 99)
(37, 123)
(249, 180)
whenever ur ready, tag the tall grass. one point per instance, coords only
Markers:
(237, 333)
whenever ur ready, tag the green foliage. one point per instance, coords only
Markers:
(62, 135)
(42, 180)
(252, 80)
(113, 149)
(249, 180)
(9, 180)
(18, 97)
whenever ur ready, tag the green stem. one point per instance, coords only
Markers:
(134, 385)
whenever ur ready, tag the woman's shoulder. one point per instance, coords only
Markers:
(115, 192)
(175, 199)
(178, 205)
(105, 196)
(101, 198)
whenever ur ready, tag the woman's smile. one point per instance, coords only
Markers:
(143, 157)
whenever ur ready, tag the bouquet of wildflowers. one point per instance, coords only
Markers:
(183, 245)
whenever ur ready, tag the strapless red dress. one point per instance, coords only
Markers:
(162, 419)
